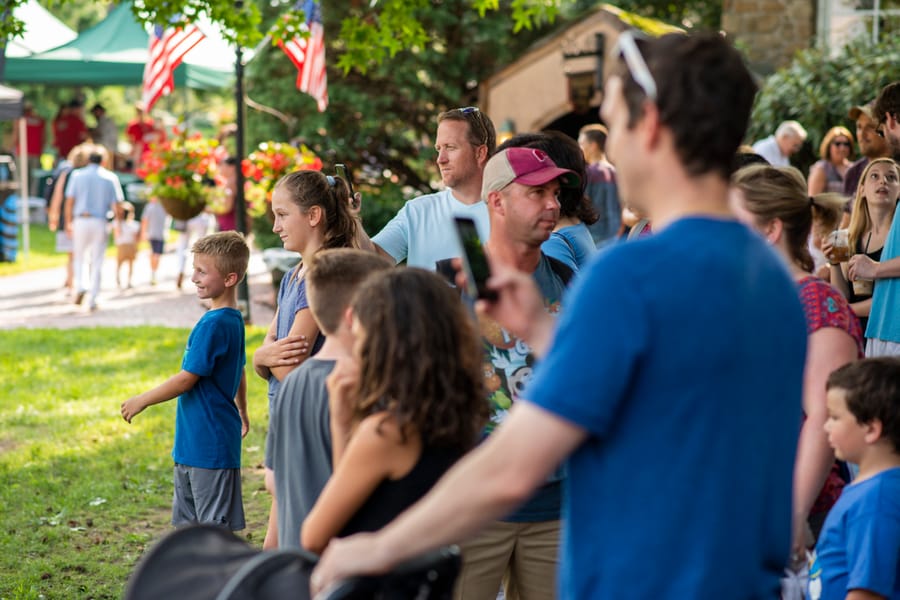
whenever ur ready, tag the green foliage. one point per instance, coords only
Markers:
(381, 122)
(370, 32)
(818, 88)
(85, 493)
(78, 15)
(690, 14)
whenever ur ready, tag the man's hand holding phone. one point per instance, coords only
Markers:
(519, 307)
(355, 198)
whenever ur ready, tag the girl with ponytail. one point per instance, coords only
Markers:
(312, 213)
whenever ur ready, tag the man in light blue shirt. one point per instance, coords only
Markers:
(422, 232)
(91, 194)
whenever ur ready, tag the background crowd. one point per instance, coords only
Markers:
(705, 376)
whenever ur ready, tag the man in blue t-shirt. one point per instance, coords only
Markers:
(672, 385)
(422, 232)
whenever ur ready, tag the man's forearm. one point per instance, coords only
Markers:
(362, 238)
(888, 269)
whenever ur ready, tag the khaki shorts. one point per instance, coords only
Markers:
(126, 251)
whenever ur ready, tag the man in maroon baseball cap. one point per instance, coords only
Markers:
(527, 166)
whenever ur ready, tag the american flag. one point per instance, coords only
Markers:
(167, 48)
(308, 55)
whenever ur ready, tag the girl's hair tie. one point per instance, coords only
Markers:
(331, 181)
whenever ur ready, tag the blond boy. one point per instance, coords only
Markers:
(212, 392)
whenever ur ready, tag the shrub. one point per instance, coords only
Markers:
(818, 88)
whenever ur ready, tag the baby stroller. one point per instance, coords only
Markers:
(203, 562)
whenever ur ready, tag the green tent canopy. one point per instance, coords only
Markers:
(114, 52)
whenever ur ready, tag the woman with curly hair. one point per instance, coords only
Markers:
(404, 408)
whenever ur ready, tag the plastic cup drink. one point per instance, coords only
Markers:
(863, 287)
(840, 245)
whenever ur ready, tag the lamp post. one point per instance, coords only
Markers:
(239, 200)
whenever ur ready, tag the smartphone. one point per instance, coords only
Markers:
(474, 261)
(344, 173)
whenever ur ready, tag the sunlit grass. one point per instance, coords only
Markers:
(85, 493)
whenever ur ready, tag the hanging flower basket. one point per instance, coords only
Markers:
(183, 210)
(266, 165)
(180, 173)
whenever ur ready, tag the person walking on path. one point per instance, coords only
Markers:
(153, 229)
(92, 193)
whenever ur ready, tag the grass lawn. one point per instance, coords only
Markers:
(42, 252)
(83, 492)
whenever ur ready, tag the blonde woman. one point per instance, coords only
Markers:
(870, 221)
(827, 174)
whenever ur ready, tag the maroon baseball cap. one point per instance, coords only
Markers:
(528, 166)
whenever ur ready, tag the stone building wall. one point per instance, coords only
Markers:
(769, 32)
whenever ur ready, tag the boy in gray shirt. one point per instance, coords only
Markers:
(298, 445)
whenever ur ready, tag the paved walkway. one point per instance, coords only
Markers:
(38, 300)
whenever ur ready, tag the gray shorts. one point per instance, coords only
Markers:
(208, 496)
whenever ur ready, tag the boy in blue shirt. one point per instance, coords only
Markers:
(212, 392)
(858, 554)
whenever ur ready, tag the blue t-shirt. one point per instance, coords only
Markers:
(423, 232)
(207, 422)
(95, 191)
(681, 356)
(884, 322)
(859, 547)
(291, 300)
(572, 245)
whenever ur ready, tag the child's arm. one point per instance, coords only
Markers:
(171, 388)
(259, 358)
(371, 456)
(828, 349)
(280, 357)
(241, 402)
(342, 383)
(145, 226)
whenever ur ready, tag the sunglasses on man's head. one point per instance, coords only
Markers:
(627, 47)
(476, 118)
